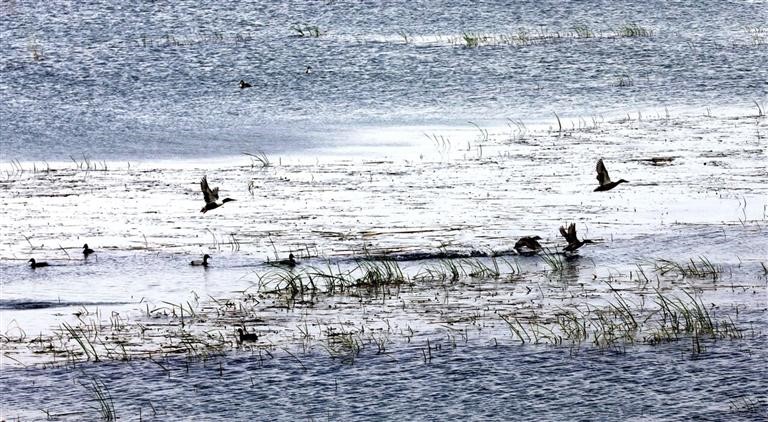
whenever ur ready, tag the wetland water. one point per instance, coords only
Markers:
(664, 317)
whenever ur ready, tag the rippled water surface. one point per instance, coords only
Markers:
(427, 138)
(161, 79)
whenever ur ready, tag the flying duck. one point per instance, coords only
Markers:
(243, 336)
(573, 241)
(528, 245)
(211, 196)
(87, 251)
(201, 263)
(604, 179)
(34, 264)
(244, 84)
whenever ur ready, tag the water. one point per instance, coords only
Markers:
(160, 80)
(114, 113)
(478, 382)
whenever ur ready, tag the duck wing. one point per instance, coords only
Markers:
(564, 233)
(210, 195)
(572, 233)
(602, 173)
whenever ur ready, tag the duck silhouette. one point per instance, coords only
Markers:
(528, 245)
(604, 179)
(290, 262)
(34, 264)
(211, 196)
(201, 263)
(570, 237)
(87, 251)
(242, 336)
(244, 84)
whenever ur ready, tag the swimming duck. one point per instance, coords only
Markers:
(604, 180)
(211, 196)
(87, 251)
(308, 70)
(243, 336)
(199, 263)
(290, 262)
(35, 264)
(244, 84)
(528, 245)
(573, 241)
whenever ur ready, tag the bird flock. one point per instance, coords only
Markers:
(525, 246)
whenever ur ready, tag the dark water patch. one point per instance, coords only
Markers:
(20, 304)
(467, 381)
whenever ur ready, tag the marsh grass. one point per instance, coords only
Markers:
(633, 30)
(103, 398)
(305, 30)
(553, 259)
(259, 158)
(624, 322)
(701, 268)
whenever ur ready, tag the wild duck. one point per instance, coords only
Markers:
(290, 262)
(211, 196)
(87, 251)
(242, 336)
(244, 84)
(308, 70)
(604, 179)
(35, 264)
(528, 245)
(201, 263)
(573, 241)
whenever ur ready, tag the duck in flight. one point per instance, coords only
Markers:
(604, 179)
(211, 196)
(87, 251)
(34, 264)
(201, 263)
(528, 245)
(244, 84)
(570, 236)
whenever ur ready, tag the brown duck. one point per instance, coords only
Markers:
(211, 196)
(570, 236)
(528, 245)
(604, 179)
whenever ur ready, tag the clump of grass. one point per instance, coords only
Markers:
(701, 268)
(103, 398)
(553, 259)
(304, 30)
(624, 80)
(758, 35)
(624, 322)
(633, 30)
(583, 31)
(259, 158)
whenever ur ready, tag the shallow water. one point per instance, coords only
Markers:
(160, 80)
(465, 381)
(373, 154)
